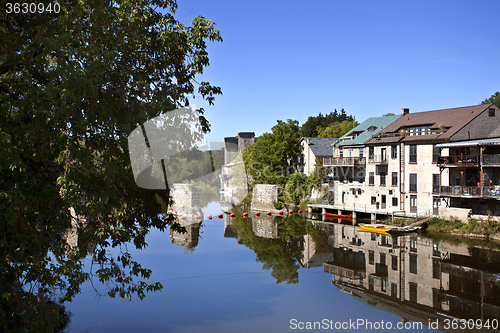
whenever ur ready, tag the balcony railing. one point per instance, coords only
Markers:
(457, 191)
(492, 192)
(343, 161)
(491, 159)
(465, 160)
(377, 159)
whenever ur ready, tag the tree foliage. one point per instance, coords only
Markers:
(275, 155)
(337, 129)
(73, 85)
(310, 127)
(495, 98)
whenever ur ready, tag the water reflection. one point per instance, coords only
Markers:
(416, 277)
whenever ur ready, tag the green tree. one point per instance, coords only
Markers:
(297, 188)
(337, 129)
(310, 127)
(495, 98)
(74, 83)
(275, 155)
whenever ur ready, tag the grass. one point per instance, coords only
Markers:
(487, 228)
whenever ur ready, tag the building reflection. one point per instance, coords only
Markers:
(188, 234)
(415, 277)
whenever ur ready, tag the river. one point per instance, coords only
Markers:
(287, 274)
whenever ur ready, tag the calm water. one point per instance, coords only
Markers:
(258, 276)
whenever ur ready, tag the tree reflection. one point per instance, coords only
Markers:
(283, 253)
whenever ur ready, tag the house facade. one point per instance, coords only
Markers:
(406, 170)
(443, 163)
(313, 148)
(351, 159)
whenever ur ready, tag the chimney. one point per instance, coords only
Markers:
(405, 111)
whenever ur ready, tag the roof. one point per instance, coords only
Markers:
(366, 129)
(320, 146)
(452, 119)
(469, 143)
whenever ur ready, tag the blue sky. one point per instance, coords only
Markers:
(295, 59)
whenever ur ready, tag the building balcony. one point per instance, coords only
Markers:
(457, 191)
(491, 160)
(344, 161)
(378, 159)
(458, 161)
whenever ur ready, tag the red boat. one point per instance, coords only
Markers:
(338, 216)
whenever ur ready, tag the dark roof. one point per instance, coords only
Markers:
(231, 139)
(246, 134)
(320, 146)
(452, 119)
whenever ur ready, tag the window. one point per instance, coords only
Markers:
(394, 263)
(413, 292)
(413, 153)
(382, 178)
(435, 153)
(373, 236)
(341, 152)
(371, 152)
(371, 178)
(394, 152)
(374, 200)
(382, 259)
(371, 257)
(394, 290)
(394, 201)
(383, 154)
(413, 182)
(361, 152)
(394, 179)
(413, 244)
(435, 269)
(413, 263)
(435, 183)
(383, 241)
(383, 285)
(491, 112)
(371, 283)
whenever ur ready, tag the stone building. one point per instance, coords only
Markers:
(233, 175)
(425, 163)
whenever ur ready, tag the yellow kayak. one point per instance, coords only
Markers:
(376, 228)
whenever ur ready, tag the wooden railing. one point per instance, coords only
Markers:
(457, 191)
(465, 160)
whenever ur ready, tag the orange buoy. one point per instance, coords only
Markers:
(183, 217)
(280, 212)
(257, 214)
(233, 215)
(245, 215)
(209, 217)
(290, 212)
(197, 217)
(220, 216)
(269, 214)
(300, 211)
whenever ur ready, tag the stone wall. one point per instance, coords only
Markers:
(462, 214)
(263, 197)
(186, 200)
(265, 226)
